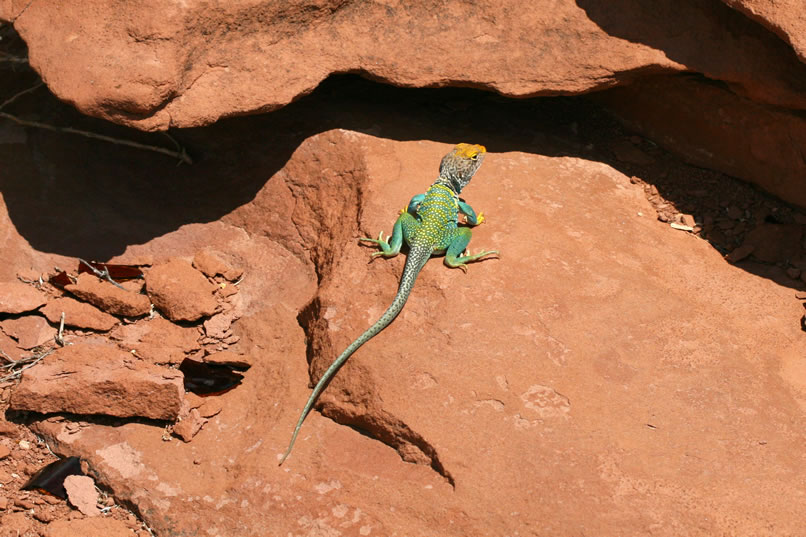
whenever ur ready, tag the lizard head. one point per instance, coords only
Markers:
(460, 164)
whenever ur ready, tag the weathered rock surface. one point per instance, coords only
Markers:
(88, 527)
(179, 291)
(19, 297)
(158, 340)
(786, 18)
(211, 264)
(607, 358)
(82, 494)
(99, 379)
(78, 314)
(108, 297)
(188, 65)
(30, 330)
(754, 142)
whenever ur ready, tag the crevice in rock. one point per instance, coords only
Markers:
(393, 432)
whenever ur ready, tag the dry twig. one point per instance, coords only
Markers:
(179, 153)
(16, 367)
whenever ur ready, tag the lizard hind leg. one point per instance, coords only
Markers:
(402, 230)
(454, 257)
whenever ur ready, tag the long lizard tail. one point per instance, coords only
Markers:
(414, 263)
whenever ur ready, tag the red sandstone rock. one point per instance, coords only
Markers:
(78, 314)
(158, 340)
(82, 494)
(784, 17)
(189, 425)
(14, 524)
(211, 264)
(8, 348)
(170, 73)
(594, 361)
(218, 326)
(108, 297)
(97, 379)
(181, 292)
(7, 429)
(19, 297)
(88, 527)
(229, 358)
(30, 330)
(748, 140)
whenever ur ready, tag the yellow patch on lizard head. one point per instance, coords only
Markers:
(471, 151)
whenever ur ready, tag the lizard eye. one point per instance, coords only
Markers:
(474, 156)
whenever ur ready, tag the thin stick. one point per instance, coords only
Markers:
(20, 94)
(102, 274)
(181, 155)
(59, 338)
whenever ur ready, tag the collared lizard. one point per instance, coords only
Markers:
(429, 225)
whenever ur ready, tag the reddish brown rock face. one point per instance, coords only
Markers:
(98, 379)
(78, 314)
(180, 292)
(609, 374)
(588, 361)
(18, 297)
(109, 298)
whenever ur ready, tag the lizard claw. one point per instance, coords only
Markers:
(403, 210)
(480, 219)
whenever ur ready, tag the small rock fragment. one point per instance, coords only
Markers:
(211, 407)
(82, 494)
(17, 297)
(87, 527)
(229, 358)
(10, 349)
(4, 452)
(181, 292)
(687, 220)
(158, 340)
(189, 425)
(108, 297)
(7, 429)
(24, 503)
(78, 314)
(30, 330)
(3, 503)
(739, 253)
(212, 265)
(98, 379)
(218, 325)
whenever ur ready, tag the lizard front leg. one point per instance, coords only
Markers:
(404, 226)
(414, 204)
(457, 246)
(472, 218)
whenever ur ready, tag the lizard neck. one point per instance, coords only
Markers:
(446, 182)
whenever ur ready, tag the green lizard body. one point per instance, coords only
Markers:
(429, 225)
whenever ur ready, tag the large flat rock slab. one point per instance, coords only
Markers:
(99, 379)
(185, 64)
(608, 374)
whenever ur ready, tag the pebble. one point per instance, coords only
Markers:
(4, 452)
(25, 504)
